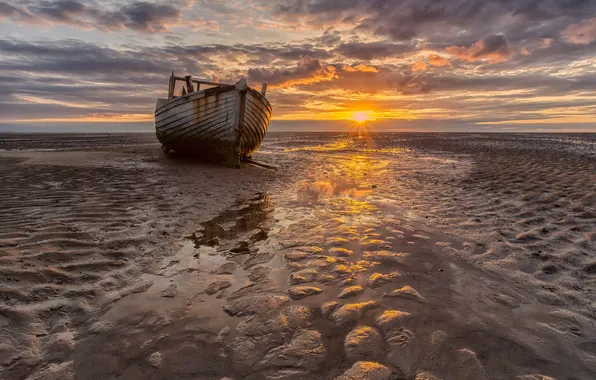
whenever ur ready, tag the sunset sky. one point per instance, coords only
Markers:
(500, 65)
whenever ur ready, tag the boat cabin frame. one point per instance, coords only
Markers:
(189, 82)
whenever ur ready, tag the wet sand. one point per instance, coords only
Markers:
(401, 256)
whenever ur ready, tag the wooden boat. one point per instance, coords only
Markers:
(224, 123)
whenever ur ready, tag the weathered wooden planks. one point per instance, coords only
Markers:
(225, 123)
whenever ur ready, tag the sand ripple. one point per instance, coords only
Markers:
(407, 257)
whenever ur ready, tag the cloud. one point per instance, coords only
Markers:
(148, 17)
(545, 43)
(73, 56)
(330, 37)
(419, 66)
(493, 49)
(307, 71)
(581, 33)
(360, 68)
(64, 11)
(438, 61)
(372, 50)
(425, 56)
(432, 60)
(437, 20)
(17, 14)
(141, 16)
(218, 6)
(390, 78)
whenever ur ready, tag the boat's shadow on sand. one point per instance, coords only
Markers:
(183, 158)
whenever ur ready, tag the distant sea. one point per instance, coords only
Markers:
(313, 126)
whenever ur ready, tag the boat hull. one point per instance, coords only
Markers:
(223, 124)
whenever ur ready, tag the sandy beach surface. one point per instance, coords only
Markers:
(364, 256)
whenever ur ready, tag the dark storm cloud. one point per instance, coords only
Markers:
(250, 55)
(149, 17)
(87, 58)
(330, 38)
(555, 57)
(496, 44)
(543, 84)
(307, 71)
(458, 21)
(74, 71)
(62, 11)
(17, 14)
(146, 66)
(73, 56)
(140, 16)
(373, 50)
(494, 48)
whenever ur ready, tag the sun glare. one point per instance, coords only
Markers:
(361, 116)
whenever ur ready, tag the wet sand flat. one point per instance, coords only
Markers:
(365, 256)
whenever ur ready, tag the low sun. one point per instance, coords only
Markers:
(361, 116)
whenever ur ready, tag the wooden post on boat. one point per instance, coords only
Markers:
(171, 86)
(189, 87)
(241, 88)
(264, 89)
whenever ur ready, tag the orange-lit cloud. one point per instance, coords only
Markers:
(434, 60)
(437, 60)
(545, 43)
(360, 68)
(581, 33)
(419, 66)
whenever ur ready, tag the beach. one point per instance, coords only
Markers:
(362, 256)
